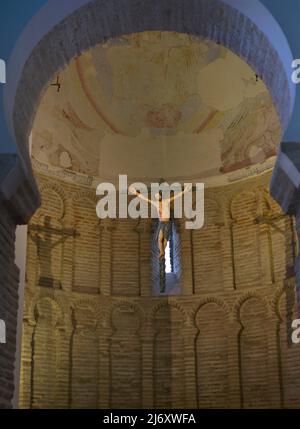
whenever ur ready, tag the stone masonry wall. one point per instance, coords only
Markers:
(9, 279)
(95, 335)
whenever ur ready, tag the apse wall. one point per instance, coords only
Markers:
(95, 335)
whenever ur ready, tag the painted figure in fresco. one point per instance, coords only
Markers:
(162, 206)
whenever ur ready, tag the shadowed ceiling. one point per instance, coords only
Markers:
(157, 104)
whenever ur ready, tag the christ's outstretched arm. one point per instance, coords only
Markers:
(186, 189)
(141, 196)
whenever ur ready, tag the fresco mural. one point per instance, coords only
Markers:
(193, 101)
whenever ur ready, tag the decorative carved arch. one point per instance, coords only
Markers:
(163, 305)
(274, 304)
(241, 301)
(210, 300)
(53, 301)
(59, 191)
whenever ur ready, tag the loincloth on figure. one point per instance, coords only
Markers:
(166, 228)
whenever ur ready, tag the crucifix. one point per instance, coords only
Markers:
(57, 83)
(42, 236)
(269, 220)
(290, 271)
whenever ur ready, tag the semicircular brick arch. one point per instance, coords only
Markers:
(53, 39)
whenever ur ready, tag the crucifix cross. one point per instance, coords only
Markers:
(48, 229)
(57, 83)
(269, 220)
